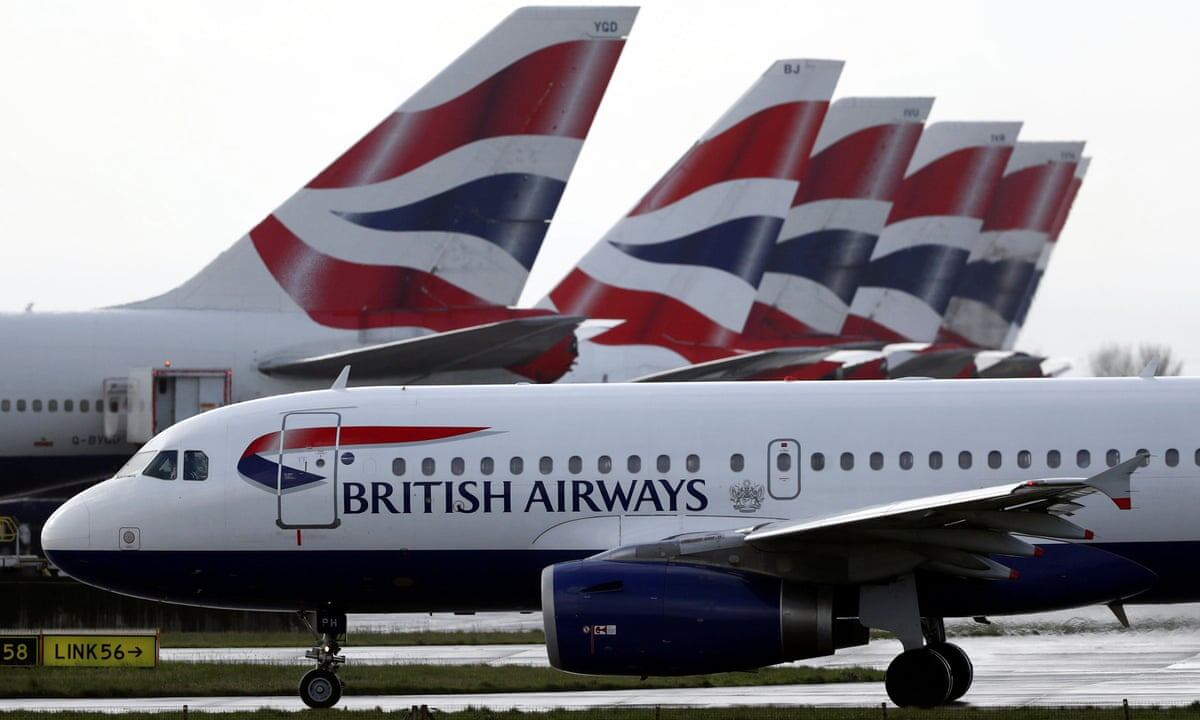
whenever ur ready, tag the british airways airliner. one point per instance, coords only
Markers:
(665, 529)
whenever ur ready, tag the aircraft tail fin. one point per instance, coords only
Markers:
(1018, 224)
(683, 266)
(443, 204)
(933, 223)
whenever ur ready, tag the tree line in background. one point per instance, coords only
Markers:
(1114, 360)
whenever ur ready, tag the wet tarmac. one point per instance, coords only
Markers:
(1147, 668)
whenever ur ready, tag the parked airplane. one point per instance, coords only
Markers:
(403, 256)
(665, 529)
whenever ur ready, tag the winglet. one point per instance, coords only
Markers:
(342, 378)
(1114, 482)
(1150, 370)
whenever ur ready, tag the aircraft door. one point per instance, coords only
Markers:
(783, 469)
(306, 486)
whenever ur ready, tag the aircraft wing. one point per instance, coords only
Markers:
(765, 363)
(492, 345)
(956, 533)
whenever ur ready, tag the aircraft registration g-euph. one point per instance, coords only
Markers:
(404, 257)
(665, 529)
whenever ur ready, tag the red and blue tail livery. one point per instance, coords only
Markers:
(682, 268)
(857, 164)
(933, 224)
(1020, 218)
(446, 202)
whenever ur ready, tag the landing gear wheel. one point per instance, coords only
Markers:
(961, 670)
(320, 688)
(919, 678)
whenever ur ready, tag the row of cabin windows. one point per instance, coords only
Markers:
(53, 405)
(995, 459)
(783, 462)
(545, 465)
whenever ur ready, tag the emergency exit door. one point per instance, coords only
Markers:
(306, 484)
(783, 469)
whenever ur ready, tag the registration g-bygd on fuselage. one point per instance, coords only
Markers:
(456, 498)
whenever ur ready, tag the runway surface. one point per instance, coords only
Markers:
(1148, 668)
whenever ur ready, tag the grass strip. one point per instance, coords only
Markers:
(726, 713)
(302, 639)
(209, 679)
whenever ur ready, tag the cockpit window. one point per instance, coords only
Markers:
(163, 466)
(195, 465)
(134, 465)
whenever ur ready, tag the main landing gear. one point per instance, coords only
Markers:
(925, 677)
(321, 687)
(930, 671)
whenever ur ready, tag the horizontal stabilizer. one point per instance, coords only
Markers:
(495, 345)
(751, 365)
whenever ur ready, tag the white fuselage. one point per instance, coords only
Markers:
(672, 466)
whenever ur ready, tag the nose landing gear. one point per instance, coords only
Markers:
(321, 687)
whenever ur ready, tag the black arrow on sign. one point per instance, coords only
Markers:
(136, 652)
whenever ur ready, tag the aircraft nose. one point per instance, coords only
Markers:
(69, 528)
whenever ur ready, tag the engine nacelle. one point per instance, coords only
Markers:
(606, 617)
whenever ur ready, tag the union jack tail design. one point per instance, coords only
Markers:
(445, 203)
(933, 223)
(1039, 269)
(992, 285)
(682, 268)
(857, 164)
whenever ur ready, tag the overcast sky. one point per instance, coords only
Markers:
(139, 139)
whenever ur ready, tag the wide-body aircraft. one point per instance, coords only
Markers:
(405, 256)
(665, 529)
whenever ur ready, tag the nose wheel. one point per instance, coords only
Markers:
(321, 687)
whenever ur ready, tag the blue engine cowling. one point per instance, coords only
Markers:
(606, 617)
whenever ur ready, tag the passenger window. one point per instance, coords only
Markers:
(5, 405)
(906, 460)
(487, 466)
(693, 463)
(545, 465)
(52, 405)
(1083, 458)
(935, 460)
(847, 461)
(964, 459)
(1024, 459)
(458, 466)
(995, 459)
(634, 464)
(84, 406)
(818, 461)
(163, 465)
(195, 465)
(663, 463)
(68, 405)
(876, 461)
(736, 462)
(604, 464)
(37, 405)
(398, 467)
(783, 462)
(1053, 458)
(428, 466)
(1113, 457)
(20, 406)
(574, 464)
(112, 405)
(516, 466)
(1197, 457)
(1172, 457)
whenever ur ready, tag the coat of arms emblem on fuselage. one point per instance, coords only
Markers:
(746, 496)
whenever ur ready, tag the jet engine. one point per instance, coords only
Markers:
(606, 617)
